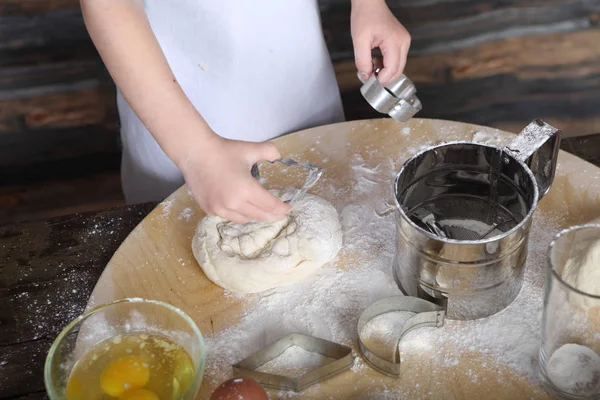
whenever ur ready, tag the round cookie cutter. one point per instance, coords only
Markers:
(398, 99)
(427, 314)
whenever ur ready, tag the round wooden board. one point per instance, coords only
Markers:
(156, 261)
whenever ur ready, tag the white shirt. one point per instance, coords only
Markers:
(253, 69)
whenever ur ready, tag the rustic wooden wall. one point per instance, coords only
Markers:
(498, 63)
(58, 147)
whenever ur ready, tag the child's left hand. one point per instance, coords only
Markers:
(374, 25)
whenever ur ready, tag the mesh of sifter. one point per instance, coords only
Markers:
(465, 191)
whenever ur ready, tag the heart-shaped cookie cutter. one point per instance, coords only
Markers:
(314, 174)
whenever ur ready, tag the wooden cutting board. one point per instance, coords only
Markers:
(156, 261)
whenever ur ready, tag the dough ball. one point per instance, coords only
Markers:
(258, 256)
(575, 369)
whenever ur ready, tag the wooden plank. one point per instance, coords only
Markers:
(65, 186)
(422, 12)
(22, 368)
(58, 106)
(51, 145)
(24, 31)
(77, 50)
(586, 147)
(14, 79)
(508, 82)
(495, 112)
(30, 396)
(63, 168)
(48, 251)
(47, 270)
(28, 35)
(20, 202)
(571, 126)
(526, 58)
(487, 25)
(29, 7)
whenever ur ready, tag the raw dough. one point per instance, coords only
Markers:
(258, 256)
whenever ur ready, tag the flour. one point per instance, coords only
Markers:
(328, 304)
(489, 138)
(411, 151)
(295, 362)
(575, 369)
(380, 334)
(186, 214)
(166, 207)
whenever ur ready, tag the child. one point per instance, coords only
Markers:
(203, 84)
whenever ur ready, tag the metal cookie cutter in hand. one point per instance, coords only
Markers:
(341, 355)
(426, 314)
(314, 174)
(398, 99)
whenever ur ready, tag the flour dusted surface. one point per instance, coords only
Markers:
(328, 304)
(294, 362)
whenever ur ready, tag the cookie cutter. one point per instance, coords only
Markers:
(397, 99)
(427, 315)
(342, 355)
(314, 174)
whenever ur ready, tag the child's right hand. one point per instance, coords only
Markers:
(218, 175)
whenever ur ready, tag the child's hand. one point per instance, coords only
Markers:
(374, 25)
(219, 177)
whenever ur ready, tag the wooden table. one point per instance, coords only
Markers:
(48, 269)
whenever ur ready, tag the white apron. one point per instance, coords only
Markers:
(253, 69)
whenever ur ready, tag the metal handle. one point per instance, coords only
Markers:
(537, 147)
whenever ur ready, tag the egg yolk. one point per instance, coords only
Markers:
(124, 374)
(74, 390)
(139, 394)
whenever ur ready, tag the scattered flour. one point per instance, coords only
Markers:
(411, 151)
(186, 214)
(294, 362)
(511, 336)
(489, 138)
(166, 207)
(386, 326)
(328, 305)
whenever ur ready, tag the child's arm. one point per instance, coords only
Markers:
(374, 25)
(217, 171)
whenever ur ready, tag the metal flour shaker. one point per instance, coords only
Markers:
(463, 214)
